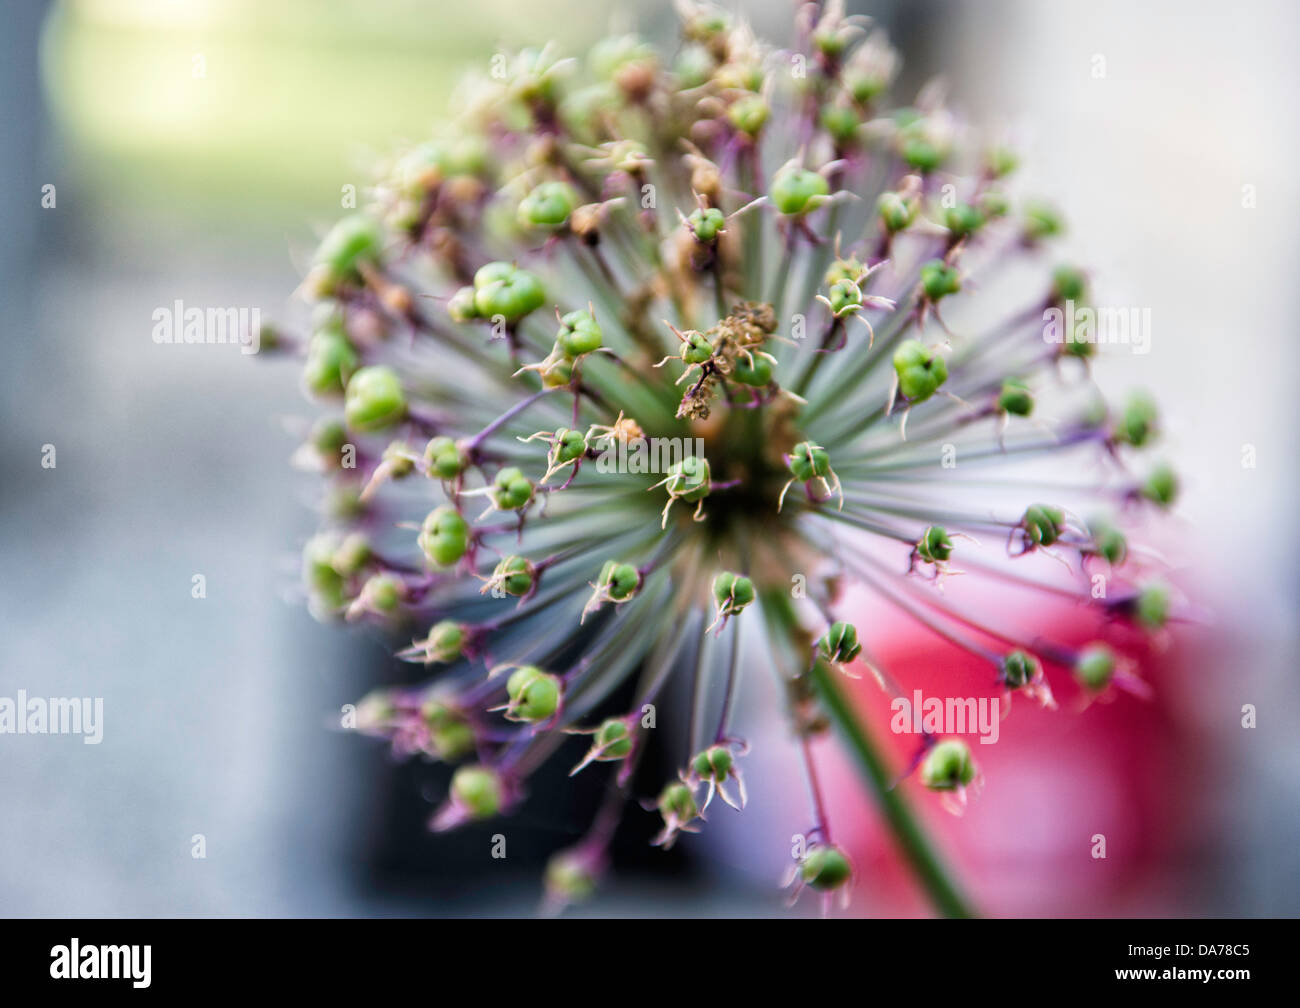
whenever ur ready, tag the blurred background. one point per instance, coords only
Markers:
(1175, 167)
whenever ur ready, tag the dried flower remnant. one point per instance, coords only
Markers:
(783, 268)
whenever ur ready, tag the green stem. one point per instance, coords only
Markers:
(908, 834)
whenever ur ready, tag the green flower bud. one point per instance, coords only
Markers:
(677, 803)
(461, 305)
(896, 212)
(935, 545)
(845, 296)
(477, 789)
(713, 763)
(557, 373)
(570, 445)
(1161, 486)
(1019, 668)
(323, 581)
(382, 592)
(1108, 542)
(920, 148)
(841, 122)
(579, 334)
(1151, 607)
(756, 371)
(1068, 284)
(502, 289)
(444, 536)
(796, 191)
(808, 461)
(1041, 221)
(511, 490)
(825, 868)
(840, 643)
(327, 440)
(948, 766)
(1015, 398)
(1001, 161)
(844, 269)
(444, 458)
(963, 220)
(354, 241)
(515, 575)
(450, 736)
(397, 458)
(706, 224)
(696, 348)
(938, 279)
(688, 480)
(732, 592)
(331, 361)
(1042, 524)
(375, 400)
(351, 554)
(534, 694)
(993, 204)
(1137, 425)
(446, 641)
(548, 206)
(613, 740)
(749, 114)
(920, 370)
(620, 580)
(570, 877)
(1095, 667)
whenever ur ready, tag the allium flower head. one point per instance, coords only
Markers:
(649, 355)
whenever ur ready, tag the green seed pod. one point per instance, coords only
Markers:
(935, 545)
(548, 206)
(732, 592)
(324, 583)
(840, 643)
(1001, 161)
(842, 123)
(620, 580)
(328, 437)
(382, 592)
(755, 371)
(511, 490)
(688, 480)
(896, 212)
(1041, 221)
(374, 400)
(1015, 398)
(844, 269)
(938, 279)
(444, 536)
(502, 289)
(845, 296)
(1042, 524)
(948, 766)
(993, 204)
(825, 868)
(451, 737)
(706, 224)
(696, 348)
(1019, 668)
(677, 803)
(713, 763)
(920, 370)
(809, 461)
(1161, 486)
(444, 458)
(397, 458)
(351, 554)
(963, 220)
(613, 740)
(1095, 667)
(797, 191)
(461, 306)
(534, 694)
(921, 148)
(569, 877)
(1068, 284)
(579, 334)
(570, 445)
(1137, 425)
(557, 372)
(353, 242)
(478, 790)
(749, 114)
(1151, 607)
(446, 641)
(515, 575)
(1108, 542)
(331, 361)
